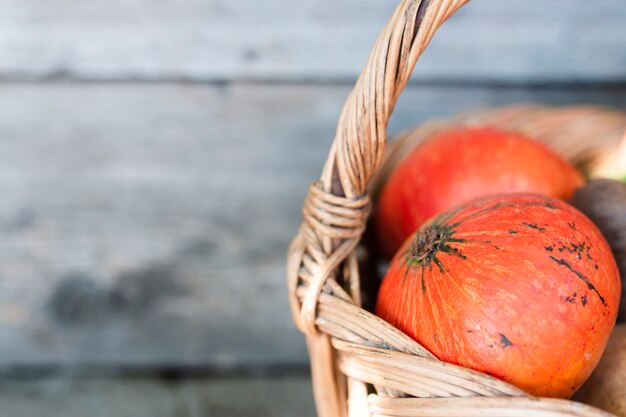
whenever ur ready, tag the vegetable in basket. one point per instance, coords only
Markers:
(459, 165)
(520, 286)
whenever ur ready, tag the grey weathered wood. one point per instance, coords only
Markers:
(147, 225)
(143, 397)
(518, 41)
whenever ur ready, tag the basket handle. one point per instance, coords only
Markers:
(337, 207)
(359, 142)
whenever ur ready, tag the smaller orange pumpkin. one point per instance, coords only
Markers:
(520, 286)
(459, 165)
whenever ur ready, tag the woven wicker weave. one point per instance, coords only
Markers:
(361, 365)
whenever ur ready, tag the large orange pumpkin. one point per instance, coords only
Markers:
(459, 165)
(520, 286)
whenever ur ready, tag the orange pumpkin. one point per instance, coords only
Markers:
(520, 286)
(459, 165)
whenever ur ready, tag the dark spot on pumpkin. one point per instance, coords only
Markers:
(513, 232)
(549, 248)
(435, 339)
(488, 242)
(549, 205)
(595, 266)
(581, 276)
(534, 226)
(442, 269)
(579, 249)
(583, 299)
(497, 247)
(571, 298)
(469, 331)
(504, 341)
(572, 225)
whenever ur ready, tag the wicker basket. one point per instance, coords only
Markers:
(361, 365)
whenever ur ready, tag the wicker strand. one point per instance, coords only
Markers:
(325, 215)
(358, 147)
(480, 407)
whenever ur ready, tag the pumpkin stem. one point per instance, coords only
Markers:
(428, 242)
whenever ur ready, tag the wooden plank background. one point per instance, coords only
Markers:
(514, 40)
(154, 156)
(105, 396)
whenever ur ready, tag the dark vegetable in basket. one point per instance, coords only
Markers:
(520, 286)
(459, 165)
(604, 202)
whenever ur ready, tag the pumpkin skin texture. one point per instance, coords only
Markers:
(462, 164)
(519, 286)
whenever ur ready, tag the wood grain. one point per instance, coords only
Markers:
(209, 40)
(140, 223)
(284, 396)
